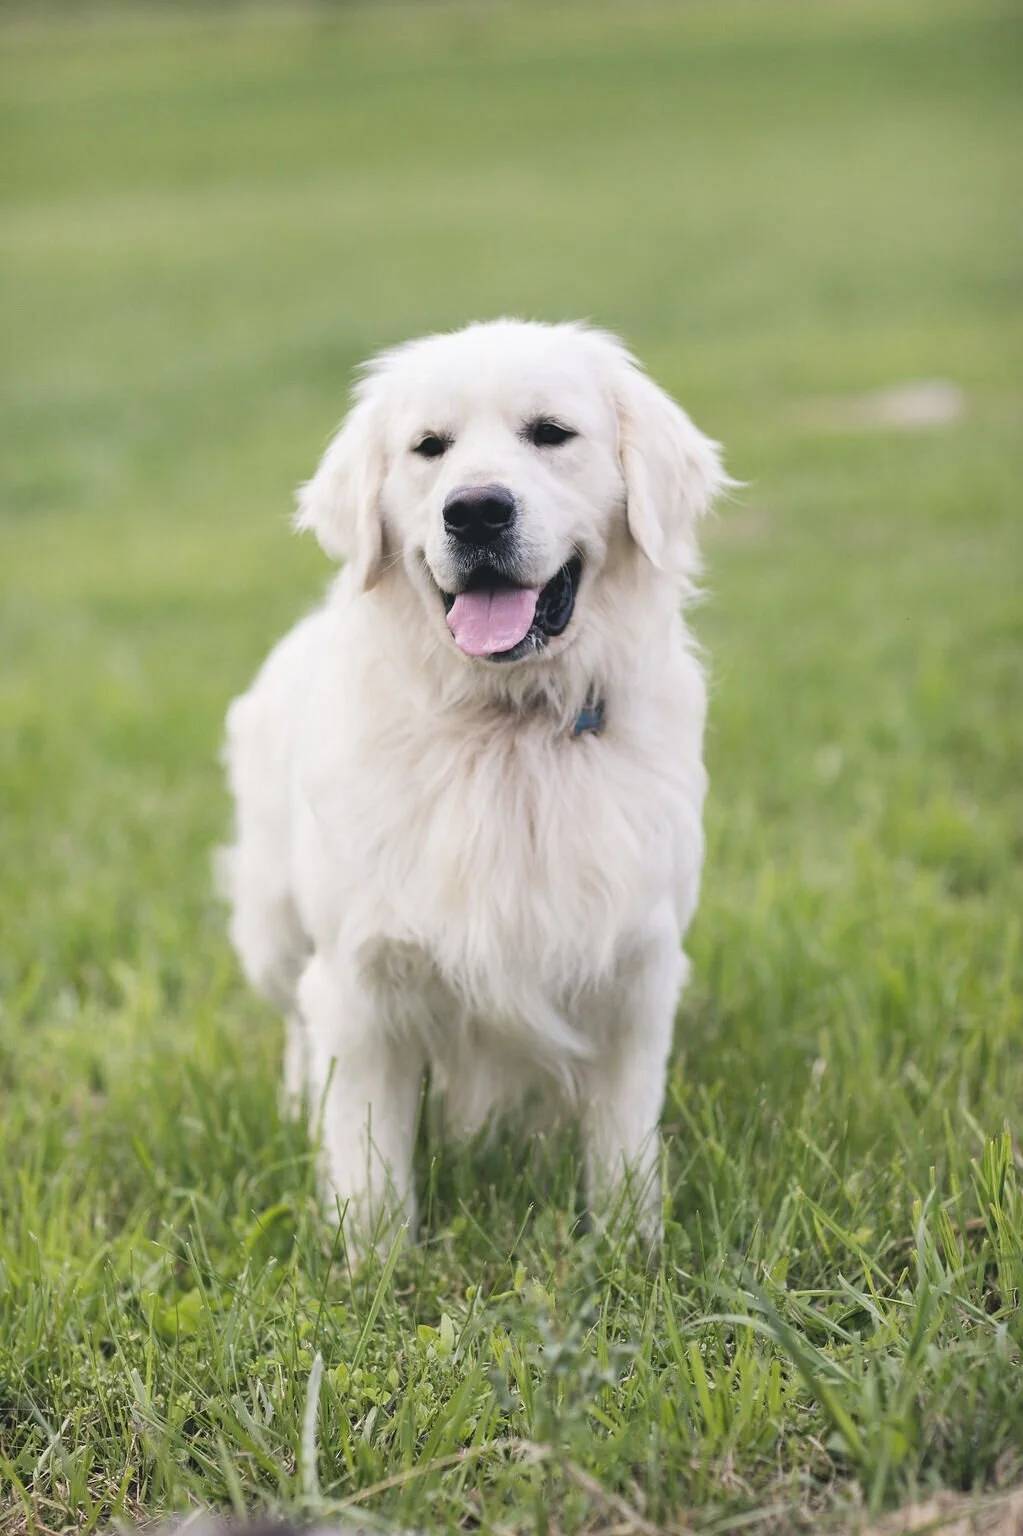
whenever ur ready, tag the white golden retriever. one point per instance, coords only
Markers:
(469, 787)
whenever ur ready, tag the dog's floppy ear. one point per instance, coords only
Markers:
(672, 472)
(341, 503)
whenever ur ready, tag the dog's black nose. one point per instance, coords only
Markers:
(479, 514)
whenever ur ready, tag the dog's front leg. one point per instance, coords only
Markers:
(364, 1084)
(624, 1089)
(296, 1066)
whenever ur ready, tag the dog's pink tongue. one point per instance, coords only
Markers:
(484, 623)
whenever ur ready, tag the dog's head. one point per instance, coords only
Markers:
(505, 470)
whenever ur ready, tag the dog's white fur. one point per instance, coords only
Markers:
(430, 869)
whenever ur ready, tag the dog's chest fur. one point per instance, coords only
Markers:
(503, 825)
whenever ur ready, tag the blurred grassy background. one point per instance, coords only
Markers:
(207, 218)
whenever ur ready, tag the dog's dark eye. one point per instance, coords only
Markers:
(544, 433)
(432, 446)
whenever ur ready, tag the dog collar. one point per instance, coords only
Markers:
(590, 719)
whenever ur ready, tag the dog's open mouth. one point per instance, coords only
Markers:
(495, 619)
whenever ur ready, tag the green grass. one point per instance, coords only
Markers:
(206, 222)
